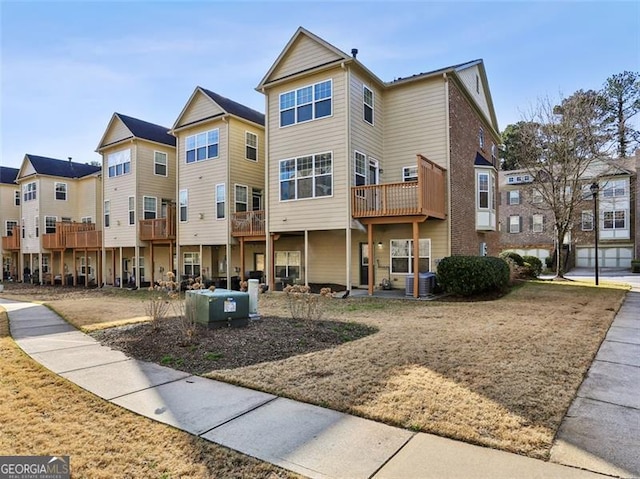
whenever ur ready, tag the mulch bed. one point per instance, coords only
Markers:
(267, 339)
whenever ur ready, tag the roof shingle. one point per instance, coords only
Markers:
(148, 131)
(61, 168)
(235, 108)
(8, 175)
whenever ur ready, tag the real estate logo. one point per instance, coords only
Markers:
(35, 467)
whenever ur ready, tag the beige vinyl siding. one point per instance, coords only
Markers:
(8, 210)
(317, 136)
(366, 138)
(415, 122)
(117, 132)
(200, 107)
(29, 210)
(243, 171)
(88, 200)
(305, 53)
(200, 179)
(468, 77)
(117, 190)
(150, 184)
(436, 230)
(327, 256)
(26, 170)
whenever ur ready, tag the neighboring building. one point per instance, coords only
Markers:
(60, 221)
(527, 225)
(636, 192)
(10, 199)
(221, 164)
(359, 170)
(139, 163)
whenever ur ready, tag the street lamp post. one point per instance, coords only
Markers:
(596, 220)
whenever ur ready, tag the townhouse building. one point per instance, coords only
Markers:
(10, 199)
(527, 224)
(367, 181)
(220, 183)
(139, 201)
(60, 221)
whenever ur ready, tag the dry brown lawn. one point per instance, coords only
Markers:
(43, 414)
(497, 373)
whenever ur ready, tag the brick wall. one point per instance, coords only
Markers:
(465, 123)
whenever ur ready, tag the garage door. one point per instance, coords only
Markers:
(618, 257)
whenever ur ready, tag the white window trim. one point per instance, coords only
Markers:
(17, 198)
(122, 157)
(86, 219)
(289, 263)
(36, 225)
(411, 256)
(363, 175)
(613, 227)
(48, 217)
(589, 215)
(295, 178)
(537, 227)
(313, 102)
(131, 210)
(145, 210)
(194, 261)
(488, 190)
(13, 223)
(514, 197)
(235, 198)
(518, 228)
(224, 201)
(30, 191)
(185, 206)
(55, 191)
(406, 176)
(207, 144)
(156, 163)
(365, 104)
(247, 145)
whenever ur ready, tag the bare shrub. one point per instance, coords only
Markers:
(305, 305)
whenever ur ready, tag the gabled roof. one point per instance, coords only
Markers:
(147, 131)
(235, 108)
(60, 168)
(8, 175)
(223, 106)
(481, 161)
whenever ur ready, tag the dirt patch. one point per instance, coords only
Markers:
(268, 339)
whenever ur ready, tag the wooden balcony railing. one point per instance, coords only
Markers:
(424, 197)
(157, 229)
(12, 242)
(248, 223)
(73, 235)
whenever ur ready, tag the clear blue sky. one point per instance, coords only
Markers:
(67, 66)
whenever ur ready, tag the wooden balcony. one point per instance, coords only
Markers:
(157, 229)
(248, 224)
(424, 198)
(12, 243)
(73, 235)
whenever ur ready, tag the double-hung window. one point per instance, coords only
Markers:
(614, 220)
(410, 173)
(184, 205)
(242, 198)
(537, 223)
(536, 197)
(191, 264)
(614, 189)
(287, 264)
(402, 253)
(483, 190)
(305, 104)
(514, 197)
(160, 163)
(9, 225)
(251, 146)
(220, 201)
(359, 169)
(202, 146)
(50, 224)
(61, 191)
(132, 210)
(16, 198)
(306, 177)
(368, 104)
(36, 224)
(107, 213)
(587, 221)
(150, 205)
(515, 224)
(119, 163)
(30, 191)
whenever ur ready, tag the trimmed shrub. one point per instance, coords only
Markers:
(549, 263)
(469, 275)
(512, 255)
(534, 263)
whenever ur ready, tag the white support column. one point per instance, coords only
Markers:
(306, 257)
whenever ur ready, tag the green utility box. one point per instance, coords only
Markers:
(219, 308)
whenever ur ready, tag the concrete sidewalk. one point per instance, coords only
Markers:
(310, 440)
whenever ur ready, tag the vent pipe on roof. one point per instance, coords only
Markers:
(354, 52)
(69, 157)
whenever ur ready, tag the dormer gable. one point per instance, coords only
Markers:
(122, 127)
(116, 132)
(304, 52)
(205, 105)
(474, 78)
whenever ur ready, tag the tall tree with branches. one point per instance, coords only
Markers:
(559, 143)
(622, 95)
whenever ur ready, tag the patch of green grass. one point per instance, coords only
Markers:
(365, 306)
(213, 356)
(168, 359)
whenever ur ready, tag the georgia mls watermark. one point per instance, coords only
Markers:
(34, 467)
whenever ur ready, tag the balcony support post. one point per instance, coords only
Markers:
(242, 245)
(416, 258)
(371, 254)
(153, 266)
